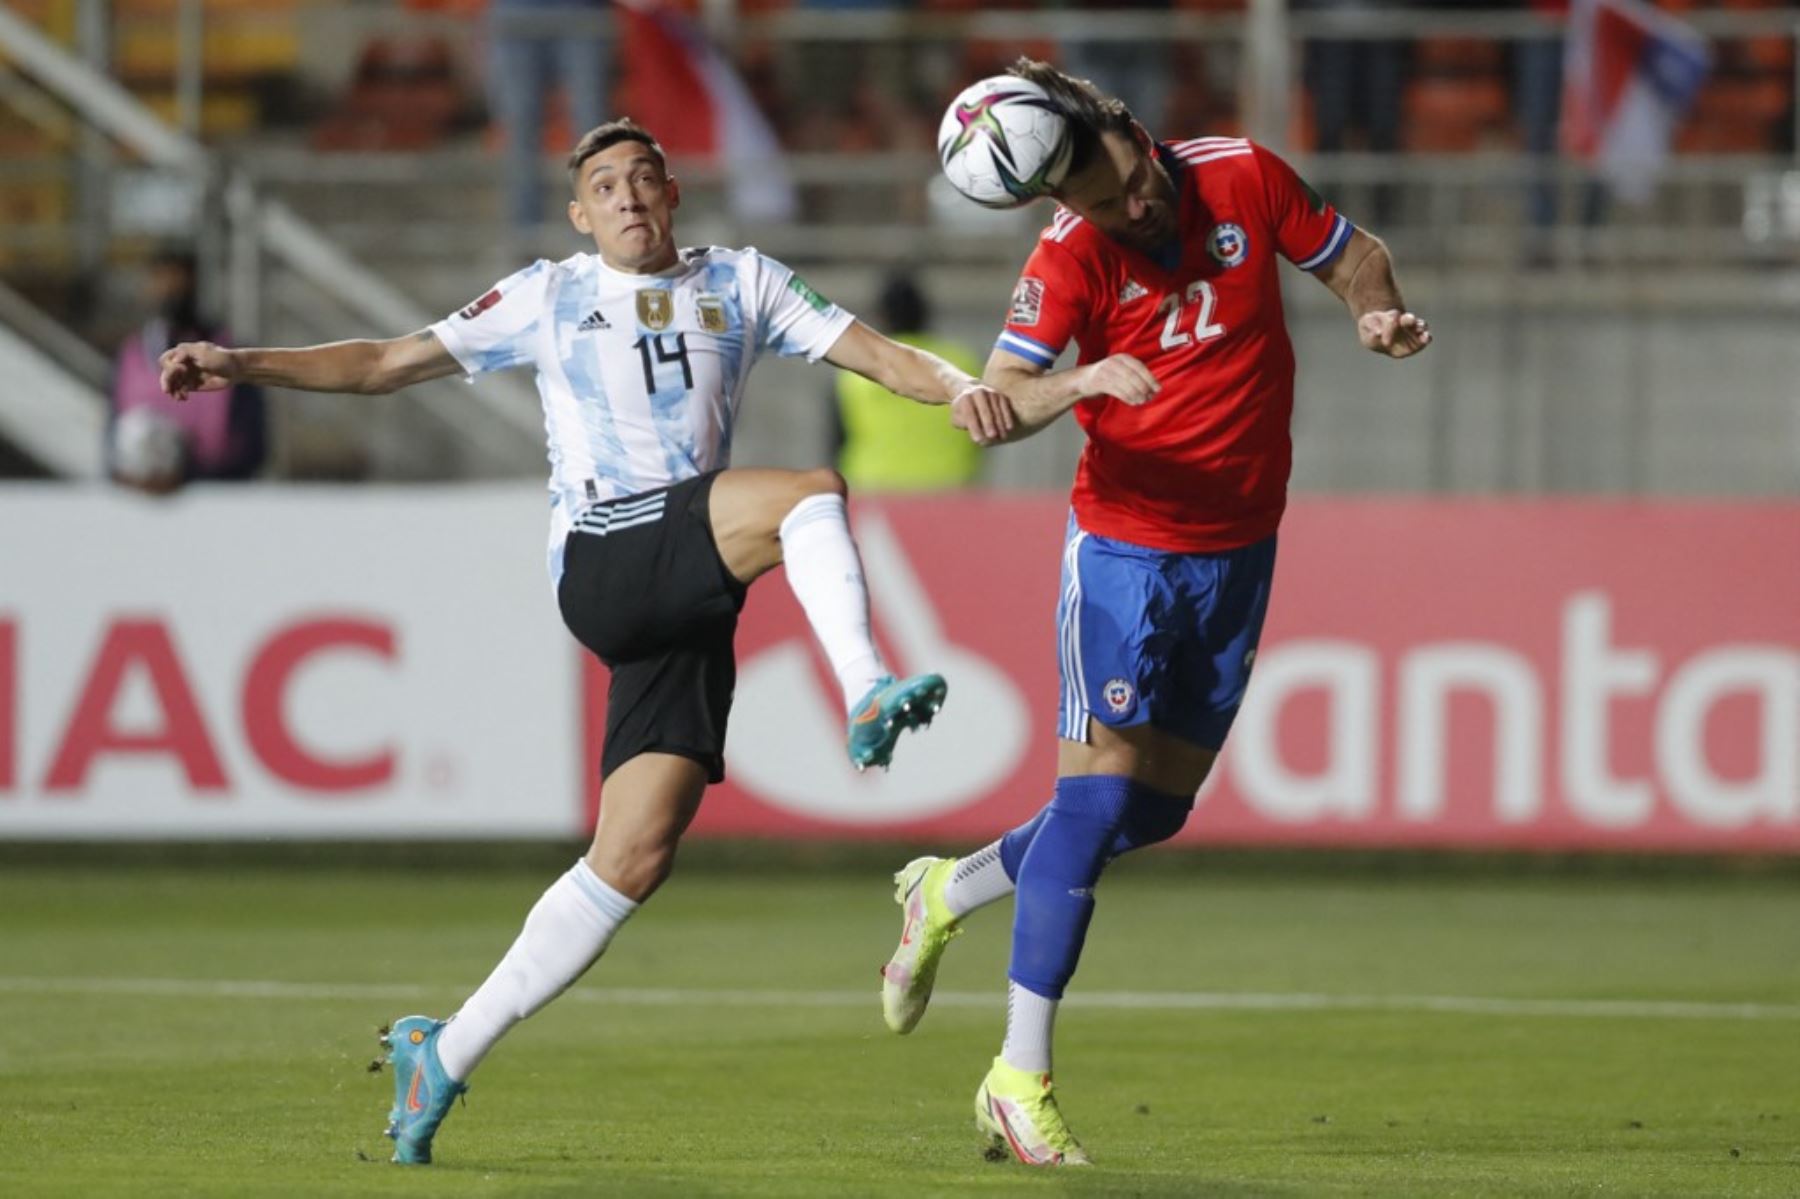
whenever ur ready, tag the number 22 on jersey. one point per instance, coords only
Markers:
(1174, 336)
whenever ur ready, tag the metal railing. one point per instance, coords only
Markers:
(880, 205)
(893, 188)
(497, 424)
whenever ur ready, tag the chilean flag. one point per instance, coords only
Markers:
(678, 86)
(1630, 71)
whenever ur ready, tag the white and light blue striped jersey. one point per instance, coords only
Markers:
(640, 375)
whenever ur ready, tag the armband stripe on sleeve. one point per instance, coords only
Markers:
(1334, 245)
(1026, 348)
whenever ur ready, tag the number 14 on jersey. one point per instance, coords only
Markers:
(644, 346)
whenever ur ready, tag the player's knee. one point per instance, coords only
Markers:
(1153, 816)
(637, 871)
(823, 481)
(797, 499)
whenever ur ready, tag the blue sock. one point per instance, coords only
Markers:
(1014, 844)
(1150, 817)
(1055, 897)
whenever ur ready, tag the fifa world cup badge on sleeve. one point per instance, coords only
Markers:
(1027, 302)
(480, 306)
(801, 288)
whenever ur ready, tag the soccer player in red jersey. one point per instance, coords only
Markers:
(1160, 265)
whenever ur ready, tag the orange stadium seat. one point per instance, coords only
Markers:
(246, 43)
(404, 95)
(1769, 53)
(1452, 114)
(1457, 56)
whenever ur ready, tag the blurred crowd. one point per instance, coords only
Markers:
(542, 75)
(527, 75)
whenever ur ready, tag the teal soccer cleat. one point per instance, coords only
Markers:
(890, 708)
(423, 1093)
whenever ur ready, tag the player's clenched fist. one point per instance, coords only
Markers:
(1392, 332)
(987, 414)
(196, 366)
(1122, 377)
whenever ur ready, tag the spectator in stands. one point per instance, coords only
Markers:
(887, 446)
(535, 45)
(1357, 86)
(155, 444)
(1537, 99)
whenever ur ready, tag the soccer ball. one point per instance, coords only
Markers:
(1003, 142)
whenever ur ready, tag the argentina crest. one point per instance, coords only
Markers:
(711, 309)
(654, 308)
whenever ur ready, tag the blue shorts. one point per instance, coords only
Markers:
(1157, 637)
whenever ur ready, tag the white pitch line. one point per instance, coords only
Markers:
(1233, 1001)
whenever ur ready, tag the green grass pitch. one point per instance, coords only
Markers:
(129, 1066)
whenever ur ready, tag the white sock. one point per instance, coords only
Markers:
(977, 881)
(826, 574)
(1030, 1018)
(565, 933)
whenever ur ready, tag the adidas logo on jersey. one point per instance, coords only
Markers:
(1132, 290)
(592, 321)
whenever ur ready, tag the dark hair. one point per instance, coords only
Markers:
(602, 137)
(176, 255)
(903, 307)
(1089, 110)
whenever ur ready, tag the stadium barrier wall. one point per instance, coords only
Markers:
(388, 663)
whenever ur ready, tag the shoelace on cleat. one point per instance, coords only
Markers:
(1047, 1118)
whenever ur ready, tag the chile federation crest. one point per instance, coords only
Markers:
(1228, 244)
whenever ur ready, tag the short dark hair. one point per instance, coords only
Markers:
(179, 256)
(602, 137)
(1089, 110)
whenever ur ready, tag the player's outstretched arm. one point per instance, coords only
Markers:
(923, 376)
(353, 367)
(1363, 277)
(1039, 396)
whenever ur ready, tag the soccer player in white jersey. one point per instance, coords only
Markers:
(642, 352)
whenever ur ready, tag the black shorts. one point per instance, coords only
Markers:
(644, 588)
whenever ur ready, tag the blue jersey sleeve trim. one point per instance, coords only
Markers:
(1026, 348)
(1334, 245)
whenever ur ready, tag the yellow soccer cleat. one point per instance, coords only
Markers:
(927, 927)
(1016, 1112)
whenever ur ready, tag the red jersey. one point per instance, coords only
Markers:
(1204, 465)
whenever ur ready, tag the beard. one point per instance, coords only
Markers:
(1151, 234)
